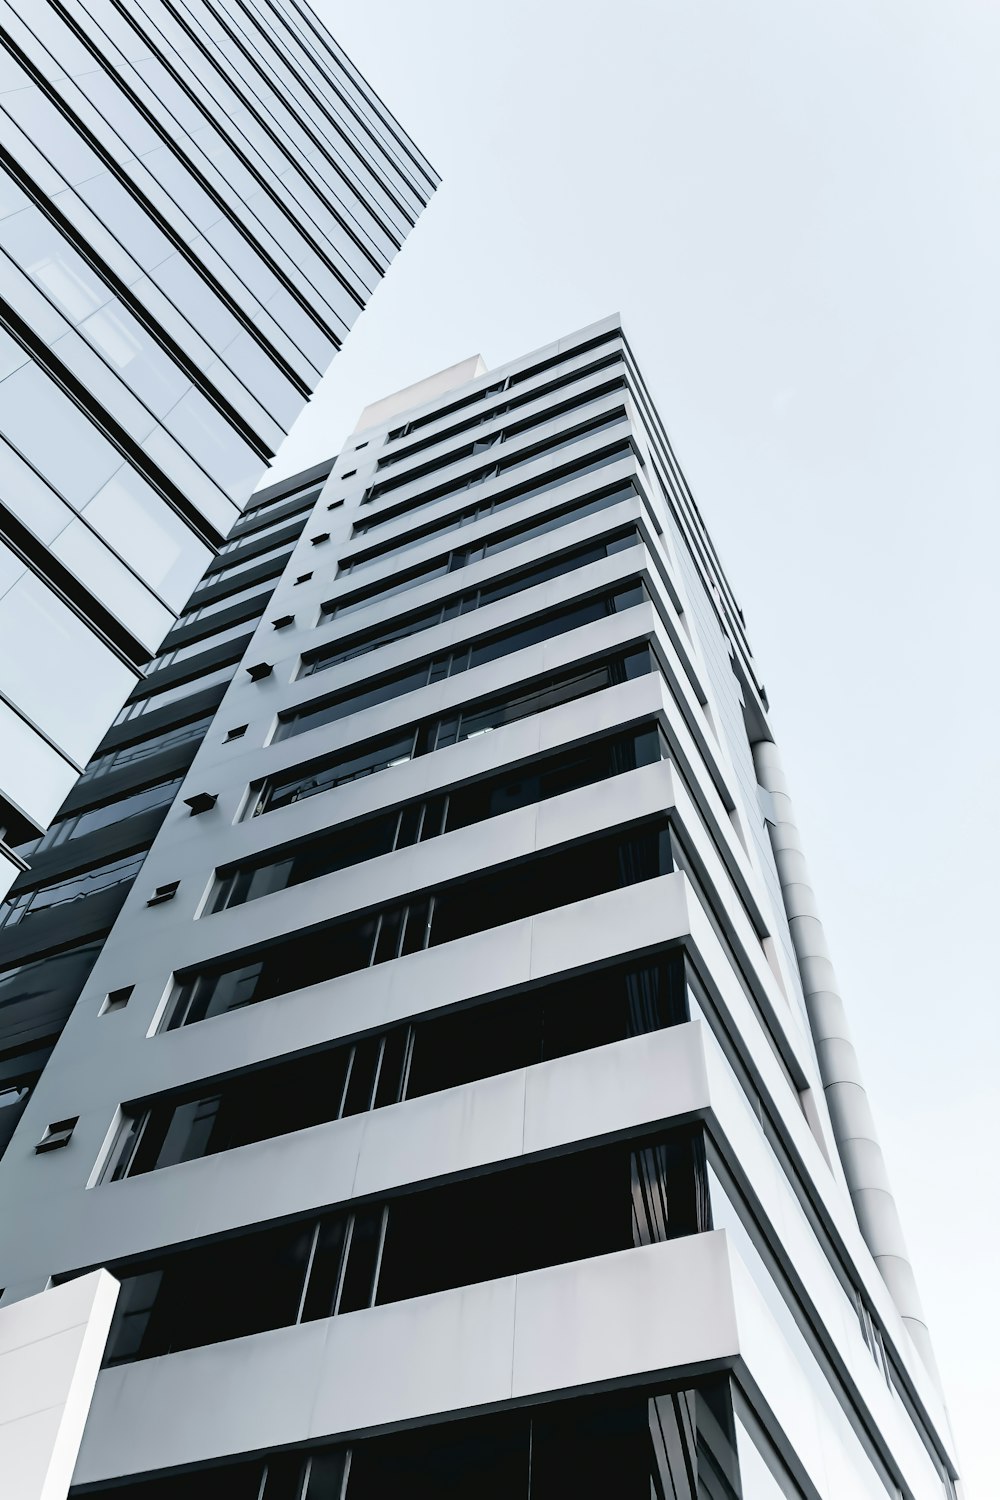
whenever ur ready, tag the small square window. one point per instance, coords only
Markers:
(282, 621)
(259, 671)
(57, 1134)
(163, 893)
(349, 474)
(335, 504)
(116, 999)
(236, 734)
(358, 446)
(201, 802)
(320, 537)
(303, 578)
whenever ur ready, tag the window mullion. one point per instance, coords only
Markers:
(116, 1156)
(376, 1072)
(404, 1072)
(347, 1081)
(376, 1271)
(376, 935)
(308, 1271)
(345, 1251)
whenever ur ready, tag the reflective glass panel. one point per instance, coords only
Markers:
(55, 668)
(109, 580)
(34, 775)
(35, 243)
(152, 538)
(136, 356)
(55, 435)
(209, 438)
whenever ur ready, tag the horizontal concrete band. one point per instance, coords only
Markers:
(662, 1312)
(594, 1095)
(663, 1309)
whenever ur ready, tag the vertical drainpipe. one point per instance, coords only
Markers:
(850, 1112)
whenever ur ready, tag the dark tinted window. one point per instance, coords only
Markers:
(629, 1445)
(463, 658)
(473, 905)
(410, 1060)
(526, 578)
(491, 443)
(114, 759)
(435, 734)
(339, 847)
(400, 455)
(22, 905)
(462, 557)
(498, 1224)
(158, 795)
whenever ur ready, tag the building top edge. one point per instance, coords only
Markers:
(422, 392)
(422, 395)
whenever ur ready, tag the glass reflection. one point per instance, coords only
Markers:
(137, 357)
(151, 537)
(55, 436)
(54, 668)
(110, 581)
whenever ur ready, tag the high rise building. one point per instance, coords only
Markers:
(60, 910)
(462, 1098)
(196, 202)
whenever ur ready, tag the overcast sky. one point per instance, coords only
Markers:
(795, 208)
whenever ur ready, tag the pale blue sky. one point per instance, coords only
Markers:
(795, 208)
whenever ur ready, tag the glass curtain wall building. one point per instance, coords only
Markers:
(196, 201)
(459, 1101)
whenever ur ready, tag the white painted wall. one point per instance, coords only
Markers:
(51, 1347)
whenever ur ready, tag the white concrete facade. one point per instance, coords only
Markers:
(779, 1295)
(51, 1347)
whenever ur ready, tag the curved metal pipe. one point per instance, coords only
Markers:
(850, 1112)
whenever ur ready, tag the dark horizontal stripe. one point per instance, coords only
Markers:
(59, 927)
(245, 609)
(255, 547)
(72, 592)
(115, 840)
(92, 792)
(295, 508)
(39, 1009)
(290, 487)
(111, 429)
(195, 666)
(160, 719)
(17, 1065)
(100, 267)
(75, 121)
(493, 384)
(316, 183)
(273, 567)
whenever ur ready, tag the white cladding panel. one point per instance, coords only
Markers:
(665, 1307)
(51, 1347)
